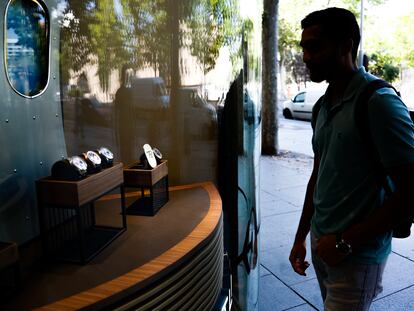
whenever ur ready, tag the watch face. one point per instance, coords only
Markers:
(78, 162)
(157, 153)
(105, 152)
(93, 157)
(343, 247)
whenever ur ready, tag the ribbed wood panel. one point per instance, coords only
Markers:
(196, 283)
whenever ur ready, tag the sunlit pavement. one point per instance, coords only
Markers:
(295, 136)
(283, 184)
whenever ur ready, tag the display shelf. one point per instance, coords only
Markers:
(77, 193)
(96, 239)
(154, 188)
(175, 258)
(67, 215)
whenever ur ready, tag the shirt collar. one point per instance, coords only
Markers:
(353, 87)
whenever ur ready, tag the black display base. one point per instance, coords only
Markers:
(9, 270)
(95, 240)
(143, 207)
(9, 282)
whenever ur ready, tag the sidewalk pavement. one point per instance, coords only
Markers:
(283, 184)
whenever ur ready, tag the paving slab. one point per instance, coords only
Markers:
(265, 197)
(277, 262)
(398, 274)
(294, 195)
(304, 307)
(277, 207)
(270, 183)
(264, 271)
(275, 296)
(281, 203)
(278, 230)
(310, 291)
(404, 247)
(400, 301)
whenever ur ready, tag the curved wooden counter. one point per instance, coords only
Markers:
(187, 275)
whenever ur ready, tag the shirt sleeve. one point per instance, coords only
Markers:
(392, 128)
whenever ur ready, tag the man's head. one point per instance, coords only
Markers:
(330, 40)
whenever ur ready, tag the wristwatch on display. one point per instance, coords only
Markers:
(93, 160)
(72, 168)
(158, 155)
(342, 246)
(107, 157)
(149, 156)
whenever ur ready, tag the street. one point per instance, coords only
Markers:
(295, 136)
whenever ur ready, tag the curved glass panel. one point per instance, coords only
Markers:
(184, 77)
(27, 46)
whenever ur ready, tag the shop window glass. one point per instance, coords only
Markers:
(27, 46)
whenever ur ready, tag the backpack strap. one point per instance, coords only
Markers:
(363, 126)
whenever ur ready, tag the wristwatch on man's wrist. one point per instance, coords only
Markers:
(342, 246)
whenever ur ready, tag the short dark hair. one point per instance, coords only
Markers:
(338, 24)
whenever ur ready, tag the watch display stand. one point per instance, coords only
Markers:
(68, 216)
(153, 184)
(9, 269)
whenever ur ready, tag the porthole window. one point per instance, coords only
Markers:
(26, 45)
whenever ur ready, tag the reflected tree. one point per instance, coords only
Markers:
(144, 33)
(75, 48)
(384, 65)
(212, 24)
(114, 33)
(27, 25)
(29, 28)
(106, 40)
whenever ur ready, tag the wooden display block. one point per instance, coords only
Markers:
(77, 193)
(153, 182)
(68, 225)
(136, 177)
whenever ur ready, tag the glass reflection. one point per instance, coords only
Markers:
(134, 72)
(27, 46)
(157, 72)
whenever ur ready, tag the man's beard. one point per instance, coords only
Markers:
(317, 76)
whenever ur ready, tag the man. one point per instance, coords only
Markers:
(345, 209)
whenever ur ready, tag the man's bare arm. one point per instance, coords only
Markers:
(298, 253)
(308, 209)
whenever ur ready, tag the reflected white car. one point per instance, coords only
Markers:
(149, 93)
(200, 117)
(301, 105)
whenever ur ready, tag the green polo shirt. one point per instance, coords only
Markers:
(347, 190)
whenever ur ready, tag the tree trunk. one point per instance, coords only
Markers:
(269, 78)
(175, 156)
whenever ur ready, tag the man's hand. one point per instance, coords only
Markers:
(297, 258)
(327, 251)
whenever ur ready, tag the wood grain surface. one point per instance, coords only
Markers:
(77, 193)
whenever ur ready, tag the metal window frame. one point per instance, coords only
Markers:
(5, 53)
